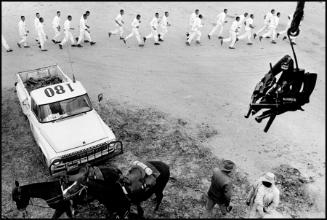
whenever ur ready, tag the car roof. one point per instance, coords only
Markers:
(57, 92)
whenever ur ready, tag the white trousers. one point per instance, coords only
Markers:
(42, 40)
(271, 32)
(232, 38)
(57, 33)
(83, 33)
(23, 39)
(135, 31)
(68, 36)
(194, 33)
(215, 28)
(119, 30)
(264, 27)
(248, 34)
(163, 31)
(154, 34)
(4, 43)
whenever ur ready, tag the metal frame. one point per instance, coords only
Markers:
(86, 154)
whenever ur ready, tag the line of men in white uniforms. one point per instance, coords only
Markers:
(158, 28)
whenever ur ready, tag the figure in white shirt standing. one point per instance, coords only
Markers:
(22, 32)
(42, 36)
(154, 24)
(56, 27)
(220, 23)
(36, 23)
(163, 25)
(135, 30)
(195, 30)
(194, 15)
(243, 17)
(68, 34)
(84, 31)
(232, 33)
(4, 44)
(272, 28)
(266, 22)
(119, 23)
(248, 29)
(284, 32)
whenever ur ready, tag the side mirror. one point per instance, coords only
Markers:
(100, 97)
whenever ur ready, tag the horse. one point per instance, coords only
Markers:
(51, 192)
(104, 187)
(138, 189)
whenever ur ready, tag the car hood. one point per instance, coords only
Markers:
(74, 131)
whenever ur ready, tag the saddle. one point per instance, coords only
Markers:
(95, 173)
(150, 173)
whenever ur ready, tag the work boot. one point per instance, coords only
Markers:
(10, 50)
(109, 34)
(86, 41)
(254, 35)
(260, 38)
(60, 46)
(144, 39)
(79, 45)
(92, 43)
(156, 43)
(53, 41)
(277, 35)
(208, 36)
(19, 45)
(187, 43)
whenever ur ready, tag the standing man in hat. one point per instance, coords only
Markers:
(220, 191)
(42, 35)
(263, 197)
(36, 24)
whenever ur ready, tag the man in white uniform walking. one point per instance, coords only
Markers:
(163, 25)
(56, 27)
(135, 31)
(22, 32)
(194, 15)
(84, 31)
(248, 29)
(243, 17)
(36, 23)
(220, 24)
(266, 22)
(4, 44)
(272, 28)
(232, 33)
(68, 34)
(284, 32)
(195, 30)
(119, 23)
(42, 36)
(154, 24)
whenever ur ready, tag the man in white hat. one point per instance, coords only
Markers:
(263, 197)
(220, 191)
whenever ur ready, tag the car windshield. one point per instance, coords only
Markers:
(63, 109)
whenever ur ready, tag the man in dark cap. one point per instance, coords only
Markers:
(220, 190)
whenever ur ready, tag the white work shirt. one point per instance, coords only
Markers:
(85, 20)
(36, 22)
(56, 21)
(241, 19)
(119, 19)
(67, 25)
(40, 29)
(248, 22)
(154, 23)
(164, 21)
(197, 24)
(135, 23)
(192, 18)
(235, 26)
(268, 17)
(274, 21)
(82, 23)
(221, 17)
(22, 27)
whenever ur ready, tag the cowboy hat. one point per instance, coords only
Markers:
(228, 166)
(269, 177)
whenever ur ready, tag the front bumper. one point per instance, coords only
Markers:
(72, 162)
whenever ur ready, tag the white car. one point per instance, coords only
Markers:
(67, 129)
